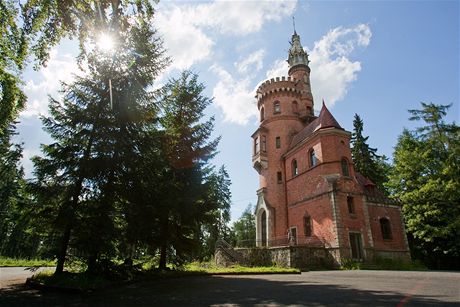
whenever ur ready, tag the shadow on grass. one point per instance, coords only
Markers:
(217, 290)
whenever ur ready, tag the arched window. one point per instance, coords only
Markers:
(312, 157)
(262, 114)
(345, 169)
(295, 170)
(295, 107)
(276, 107)
(385, 227)
(307, 227)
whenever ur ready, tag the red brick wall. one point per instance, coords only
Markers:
(320, 211)
(393, 214)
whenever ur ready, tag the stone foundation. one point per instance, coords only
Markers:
(301, 257)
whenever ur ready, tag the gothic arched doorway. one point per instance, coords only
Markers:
(263, 224)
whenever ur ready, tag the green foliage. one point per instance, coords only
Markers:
(425, 178)
(383, 264)
(244, 229)
(350, 264)
(16, 240)
(12, 54)
(365, 158)
(14, 262)
(82, 181)
(188, 191)
(211, 268)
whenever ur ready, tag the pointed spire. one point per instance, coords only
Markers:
(326, 119)
(297, 56)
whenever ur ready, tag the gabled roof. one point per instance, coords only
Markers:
(324, 120)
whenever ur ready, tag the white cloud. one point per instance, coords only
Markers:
(252, 63)
(185, 42)
(59, 68)
(279, 68)
(244, 17)
(332, 72)
(182, 26)
(234, 97)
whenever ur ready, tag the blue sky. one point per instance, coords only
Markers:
(374, 58)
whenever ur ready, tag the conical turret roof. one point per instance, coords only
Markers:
(323, 121)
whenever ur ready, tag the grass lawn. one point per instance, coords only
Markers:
(11, 262)
(210, 268)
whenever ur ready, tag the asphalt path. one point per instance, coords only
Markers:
(10, 276)
(319, 288)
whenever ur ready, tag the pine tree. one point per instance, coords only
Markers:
(365, 158)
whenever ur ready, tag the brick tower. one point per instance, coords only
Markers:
(309, 193)
(285, 105)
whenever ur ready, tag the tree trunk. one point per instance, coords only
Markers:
(162, 264)
(63, 251)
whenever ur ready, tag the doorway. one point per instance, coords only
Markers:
(264, 228)
(356, 245)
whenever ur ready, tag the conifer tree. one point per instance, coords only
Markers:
(365, 158)
(186, 149)
(97, 130)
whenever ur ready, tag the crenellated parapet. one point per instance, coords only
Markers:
(286, 85)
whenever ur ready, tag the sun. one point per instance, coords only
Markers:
(105, 42)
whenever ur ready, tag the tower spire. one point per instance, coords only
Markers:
(296, 56)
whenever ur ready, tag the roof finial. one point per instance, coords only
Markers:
(324, 103)
(293, 24)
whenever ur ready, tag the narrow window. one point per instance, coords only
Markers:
(264, 143)
(385, 227)
(278, 142)
(313, 160)
(279, 177)
(345, 169)
(256, 145)
(276, 107)
(262, 114)
(307, 226)
(351, 205)
(295, 170)
(309, 110)
(295, 107)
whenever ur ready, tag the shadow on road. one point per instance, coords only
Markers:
(217, 290)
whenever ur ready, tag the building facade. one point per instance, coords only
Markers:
(310, 194)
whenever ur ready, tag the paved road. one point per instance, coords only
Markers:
(10, 276)
(322, 288)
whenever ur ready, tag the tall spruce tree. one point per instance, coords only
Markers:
(97, 130)
(425, 178)
(365, 158)
(186, 149)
